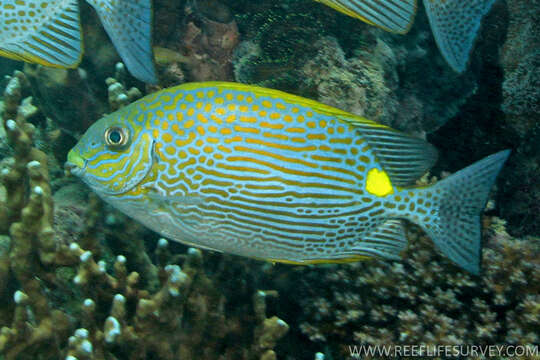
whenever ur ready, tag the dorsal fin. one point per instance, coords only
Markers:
(129, 25)
(51, 39)
(395, 16)
(455, 24)
(404, 158)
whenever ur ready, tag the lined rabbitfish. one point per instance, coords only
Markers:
(265, 174)
(454, 23)
(48, 32)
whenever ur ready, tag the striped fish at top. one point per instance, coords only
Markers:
(454, 23)
(48, 32)
(261, 173)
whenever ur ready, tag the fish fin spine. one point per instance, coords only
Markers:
(386, 241)
(56, 42)
(404, 158)
(395, 16)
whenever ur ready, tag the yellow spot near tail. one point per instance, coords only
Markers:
(378, 183)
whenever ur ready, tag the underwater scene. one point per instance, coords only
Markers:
(263, 180)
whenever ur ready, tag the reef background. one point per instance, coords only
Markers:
(79, 279)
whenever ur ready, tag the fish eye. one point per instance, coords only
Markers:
(116, 136)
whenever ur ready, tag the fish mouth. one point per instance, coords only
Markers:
(75, 164)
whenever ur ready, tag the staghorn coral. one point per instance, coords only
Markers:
(113, 290)
(117, 93)
(73, 298)
(28, 171)
(112, 316)
(28, 210)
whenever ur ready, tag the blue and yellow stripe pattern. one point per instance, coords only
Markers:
(48, 32)
(261, 173)
(454, 23)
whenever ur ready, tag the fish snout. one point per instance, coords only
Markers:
(71, 169)
(74, 164)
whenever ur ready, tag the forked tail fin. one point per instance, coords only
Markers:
(129, 25)
(455, 25)
(456, 227)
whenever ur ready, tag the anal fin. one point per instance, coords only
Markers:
(386, 241)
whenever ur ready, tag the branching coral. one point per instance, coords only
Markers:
(420, 301)
(30, 213)
(123, 306)
(29, 209)
(81, 281)
(118, 95)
